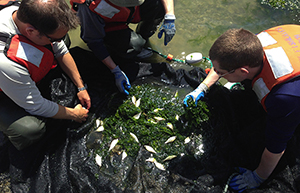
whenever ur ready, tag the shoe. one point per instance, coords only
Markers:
(144, 54)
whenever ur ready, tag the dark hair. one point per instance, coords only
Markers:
(47, 16)
(237, 48)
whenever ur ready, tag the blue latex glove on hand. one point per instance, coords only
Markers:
(168, 27)
(196, 95)
(122, 81)
(245, 180)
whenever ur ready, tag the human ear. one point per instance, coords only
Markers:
(244, 70)
(30, 31)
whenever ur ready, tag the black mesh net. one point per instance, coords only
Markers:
(61, 162)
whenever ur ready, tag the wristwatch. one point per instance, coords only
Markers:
(82, 88)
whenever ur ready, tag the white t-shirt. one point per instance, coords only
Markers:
(15, 80)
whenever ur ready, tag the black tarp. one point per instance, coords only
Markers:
(60, 162)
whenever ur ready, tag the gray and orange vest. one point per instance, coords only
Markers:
(115, 17)
(39, 60)
(281, 46)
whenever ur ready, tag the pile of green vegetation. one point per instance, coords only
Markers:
(283, 4)
(150, 116)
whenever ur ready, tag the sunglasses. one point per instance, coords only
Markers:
(224, 74)
(55, 40)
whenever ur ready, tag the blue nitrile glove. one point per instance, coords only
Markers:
(196, 95)
(168, 27)
(246, 179)
(122, 81)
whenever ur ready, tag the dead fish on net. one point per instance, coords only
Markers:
(156, 163)
(137, 116)
(99, 125)
(134, 137)
(159, 118)
(124, 155)
(187, 140)
(136, 102)
(170, 157)
(98, 160)
(157, 109)
(171, 139)
(113, 144)
(149, 148)
(170, 126)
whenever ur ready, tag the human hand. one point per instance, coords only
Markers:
(168, 27)
(84, 99)
(246, 179)
(122, 81)
(80, 113)
(196, 95)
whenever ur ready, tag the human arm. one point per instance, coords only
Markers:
(122, 82)
(168, 26)
(199, 92)
(267, 163)
(16, 83)
(68, 65)
(92, 32)
(247, 179)
(282, 106)
(169, 6)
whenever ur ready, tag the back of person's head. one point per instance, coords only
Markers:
(47, 15)
(237, 48)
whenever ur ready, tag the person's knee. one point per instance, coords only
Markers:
(137, 42)
(25, 131)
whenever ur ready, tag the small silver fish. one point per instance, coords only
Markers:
(171, 139)
(98, 159)
(100, 128)
(124, 155)
(134, 137)
(149, 148)
(133, 99)
(157, 109)
(113, 144)
(170, 126)
(159, 118)
(170, 157)
(156, 163)
(159, 165)
(137, 116)
(187, 140)
(98, 122)
(138, 102)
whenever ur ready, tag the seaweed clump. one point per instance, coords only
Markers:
(153, 117)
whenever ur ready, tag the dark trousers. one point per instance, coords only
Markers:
(127, 43)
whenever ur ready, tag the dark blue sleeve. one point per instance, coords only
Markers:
(92, 31)
(283, 115)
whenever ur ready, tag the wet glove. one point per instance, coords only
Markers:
(246, 179)
(122, 81)
(196, 95)
(168, 27)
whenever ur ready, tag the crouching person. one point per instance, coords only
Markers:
(30, 46)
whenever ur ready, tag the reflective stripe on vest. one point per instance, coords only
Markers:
(115, 17)
(39, 60)
(281, 60)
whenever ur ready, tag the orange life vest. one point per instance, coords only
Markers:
(115, 17)
(39, 60)
(281, 46)
(6, 3)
